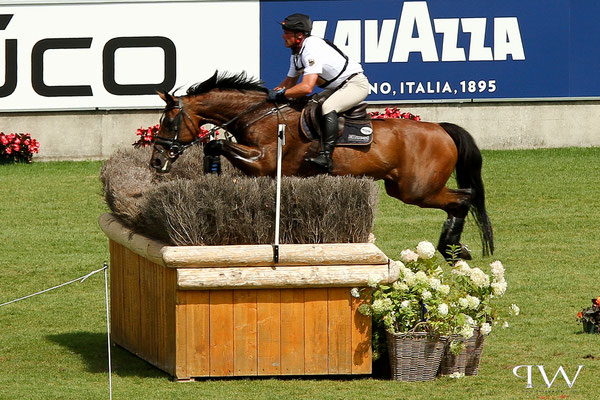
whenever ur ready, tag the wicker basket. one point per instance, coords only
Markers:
(474, 349)
(415, 356)
(453, 363)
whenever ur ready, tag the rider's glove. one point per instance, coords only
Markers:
(276, 96)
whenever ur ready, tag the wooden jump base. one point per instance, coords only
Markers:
(214, 311)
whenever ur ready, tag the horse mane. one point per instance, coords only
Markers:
(240, 81)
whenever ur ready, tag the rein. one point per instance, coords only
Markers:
(173, 147)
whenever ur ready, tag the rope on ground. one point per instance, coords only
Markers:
(81, 279)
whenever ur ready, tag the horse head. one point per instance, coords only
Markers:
(179, 129)
(220, 100)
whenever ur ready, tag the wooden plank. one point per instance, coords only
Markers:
(168, 319)
(181, 334)
(131, 301)
(269, 331)
(198, 333)
(280, 276)
(116, 291)
(315, 331)
(339, 331)
(245, 358)
(138, 244)
(150, 298)
(292, 331)
(221, 333)
(262, 255)
(161, 318)
(361, 340)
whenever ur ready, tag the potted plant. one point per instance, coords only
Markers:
(415, 313)
(474, 294)
(590, 317)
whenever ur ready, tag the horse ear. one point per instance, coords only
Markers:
(167, 98)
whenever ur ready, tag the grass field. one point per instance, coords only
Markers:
(545, 208)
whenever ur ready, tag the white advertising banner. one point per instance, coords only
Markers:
(100, 55)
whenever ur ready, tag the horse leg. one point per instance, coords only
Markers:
(456, 203)
(454, 224)
(450, 236)
(249, 160)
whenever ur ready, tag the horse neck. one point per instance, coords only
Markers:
(225, 105)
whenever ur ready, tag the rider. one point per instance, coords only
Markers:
(320, 63)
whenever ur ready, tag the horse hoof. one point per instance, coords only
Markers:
(465, 252)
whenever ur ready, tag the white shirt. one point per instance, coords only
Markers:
(318, 57)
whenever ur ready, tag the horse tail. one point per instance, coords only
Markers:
(468, 176)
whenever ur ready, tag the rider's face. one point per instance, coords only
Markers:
(289, 38)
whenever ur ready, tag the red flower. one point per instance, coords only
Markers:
(4, 140)
(579, 314)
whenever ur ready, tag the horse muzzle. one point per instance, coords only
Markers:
(161, 164)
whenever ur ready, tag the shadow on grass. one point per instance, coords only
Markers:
(91, 347)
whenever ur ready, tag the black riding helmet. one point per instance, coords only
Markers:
(297, 23)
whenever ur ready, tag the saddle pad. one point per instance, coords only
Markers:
(355, 133)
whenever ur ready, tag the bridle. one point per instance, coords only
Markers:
(173, 147)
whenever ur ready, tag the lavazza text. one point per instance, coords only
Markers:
(380, 46)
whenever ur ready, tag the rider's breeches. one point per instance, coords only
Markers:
(347, 96)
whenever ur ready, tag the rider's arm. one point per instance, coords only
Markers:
(304, 88)
(288, 82)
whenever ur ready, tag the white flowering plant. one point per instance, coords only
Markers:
(428, 298)
(475, 295)
(417, 301)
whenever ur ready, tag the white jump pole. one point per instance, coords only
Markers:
(280, 144)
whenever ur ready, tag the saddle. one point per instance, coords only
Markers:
(355, 127)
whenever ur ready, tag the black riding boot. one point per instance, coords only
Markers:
(330, 130)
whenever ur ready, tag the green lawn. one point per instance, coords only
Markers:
(545, 208)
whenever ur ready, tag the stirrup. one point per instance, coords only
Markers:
(322, 160)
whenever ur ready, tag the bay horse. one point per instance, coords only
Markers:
(415, 159)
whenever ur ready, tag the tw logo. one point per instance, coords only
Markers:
(529, 375)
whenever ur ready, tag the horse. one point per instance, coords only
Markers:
(415, 159)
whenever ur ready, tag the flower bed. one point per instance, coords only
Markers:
(394, 113)
(147, 135)
(18, 147)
